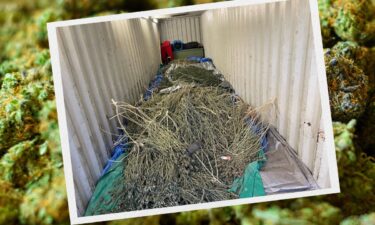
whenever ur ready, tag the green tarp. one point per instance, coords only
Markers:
(108, 191)
(250, 184)
(110, 187)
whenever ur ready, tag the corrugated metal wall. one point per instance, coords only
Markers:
(266, 51)
(100, 62)
(185, 29)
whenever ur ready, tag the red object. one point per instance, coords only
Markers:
(166, 52)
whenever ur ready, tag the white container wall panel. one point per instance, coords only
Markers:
(186, 29)
(100, 62)
(266, 51)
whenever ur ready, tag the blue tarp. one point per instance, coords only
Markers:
(118, 150)
(153, 85)
(198, 59)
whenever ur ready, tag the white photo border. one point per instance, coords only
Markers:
(56, 69)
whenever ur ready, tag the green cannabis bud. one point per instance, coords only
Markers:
(327, 14)
(348, 87)
(355, 21)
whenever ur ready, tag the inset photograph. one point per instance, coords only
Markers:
(192, 107)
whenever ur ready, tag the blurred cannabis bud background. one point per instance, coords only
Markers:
(32, 186)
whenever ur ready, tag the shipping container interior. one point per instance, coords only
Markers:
(265, 51)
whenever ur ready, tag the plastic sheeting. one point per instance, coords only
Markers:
(153, 85)
(108, 190)
(283, 171)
